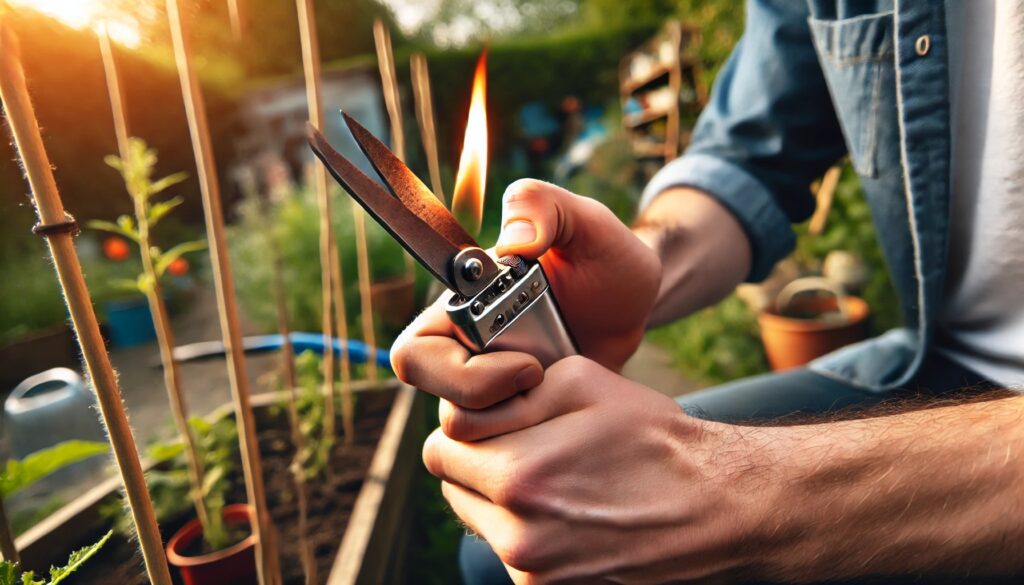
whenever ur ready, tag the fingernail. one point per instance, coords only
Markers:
(517, 233)
(527, 378)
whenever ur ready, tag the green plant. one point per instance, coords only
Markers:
(19, 474)
(169, 484)
(294, 220)
(10, 575)
(310, 406)
(136, 166)
(137, 171)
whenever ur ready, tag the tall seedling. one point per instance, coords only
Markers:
(137, 171)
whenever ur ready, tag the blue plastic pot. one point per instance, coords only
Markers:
(129, 322)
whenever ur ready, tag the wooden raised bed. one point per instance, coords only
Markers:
(372, 544)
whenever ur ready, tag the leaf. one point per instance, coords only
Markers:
(162, 208)
(77, 559)
(29, 578)
(109, 226)
(144, 283)
(8, 573)
(21, 474)
(166, 182)
(213, 475)
(124, 284)
(126, 223)
(160, 452)
(176, 252)
(200, 425)
(114, 161)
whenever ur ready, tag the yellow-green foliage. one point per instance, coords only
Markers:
(10, 575)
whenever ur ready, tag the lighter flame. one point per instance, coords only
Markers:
(468, 199)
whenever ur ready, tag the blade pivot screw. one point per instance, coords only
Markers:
(472, 269)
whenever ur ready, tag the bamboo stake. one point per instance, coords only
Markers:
(154, 295)
(425, 117)
(268, 570)
(347, 410)
(25, 128)
(393, 103)
(311, 70)
(8, 549)
(235, 15)
(825, 194)
(290, 382)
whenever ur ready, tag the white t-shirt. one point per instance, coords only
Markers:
(983, 316)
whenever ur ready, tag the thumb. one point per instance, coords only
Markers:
(536, 216)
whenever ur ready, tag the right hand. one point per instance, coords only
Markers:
(604, 277)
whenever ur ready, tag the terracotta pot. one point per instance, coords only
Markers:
(395, 300)
(824, 324)
(235, 565)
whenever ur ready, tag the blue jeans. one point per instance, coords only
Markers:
(760, 399)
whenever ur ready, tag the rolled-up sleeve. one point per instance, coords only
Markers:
(768, 131)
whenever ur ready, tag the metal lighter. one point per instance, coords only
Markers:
(503, 304)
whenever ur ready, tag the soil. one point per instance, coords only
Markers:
(200, 547)
(330, 500)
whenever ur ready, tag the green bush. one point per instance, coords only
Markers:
(294, 224)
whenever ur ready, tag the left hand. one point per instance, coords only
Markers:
(590, 476)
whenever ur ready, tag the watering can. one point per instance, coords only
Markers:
(48, 408)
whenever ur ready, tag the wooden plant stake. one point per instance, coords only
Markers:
(154, 294)
(235, 15)
(291, 382)
(267, 563)
(347, 410)
(425, 117)
(330, 274)
(58, 227)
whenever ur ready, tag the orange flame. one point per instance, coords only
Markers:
(468, 199)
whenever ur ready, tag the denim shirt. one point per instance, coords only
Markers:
(808, 83)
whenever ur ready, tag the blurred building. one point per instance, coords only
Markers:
(272, 130)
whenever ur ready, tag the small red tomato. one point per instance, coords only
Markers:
(178, 267)
(116, 249)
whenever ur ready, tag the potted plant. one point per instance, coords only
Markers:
(811, 316)
(223, 554)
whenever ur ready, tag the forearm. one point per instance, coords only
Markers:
(932, 491)
(703, 250)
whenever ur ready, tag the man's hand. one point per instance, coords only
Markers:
(590, 477)
(604, 277)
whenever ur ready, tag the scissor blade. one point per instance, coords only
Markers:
(408, 187)
(433, 250)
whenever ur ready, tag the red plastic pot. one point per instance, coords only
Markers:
(235, 565)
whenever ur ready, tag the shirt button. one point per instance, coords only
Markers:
(923, 45)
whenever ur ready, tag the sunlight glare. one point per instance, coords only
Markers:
(88, 14)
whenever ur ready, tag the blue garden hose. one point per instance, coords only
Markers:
(357, 350)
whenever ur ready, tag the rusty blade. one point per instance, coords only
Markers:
(408, 187)
(433, 250)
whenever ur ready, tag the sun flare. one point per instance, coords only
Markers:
(88, 14)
